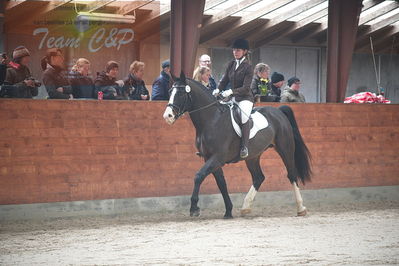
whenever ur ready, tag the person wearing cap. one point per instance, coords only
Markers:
(18, 75)
(162, 84)
(291, 92)
(277, 80)
(54, 79)
(205, 61)
(239, 74)
(107, 83)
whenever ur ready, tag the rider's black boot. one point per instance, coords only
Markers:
(244, 140)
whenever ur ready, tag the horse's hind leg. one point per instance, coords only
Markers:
(221, 182)
(257, 179)
(285, 148)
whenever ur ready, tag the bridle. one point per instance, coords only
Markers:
(188, 100)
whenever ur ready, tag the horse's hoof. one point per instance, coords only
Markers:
(195, 213)
(302, 213)
(228, 216)
(245, 211)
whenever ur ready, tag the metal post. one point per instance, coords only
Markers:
(186, 19)
(343, 19)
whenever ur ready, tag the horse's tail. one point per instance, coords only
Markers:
(302, 154)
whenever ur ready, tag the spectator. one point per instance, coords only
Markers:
(205, 61)
(134, 88)
(82, 84)
(260, 84)
(57, 85)
(161, 86)
(203, 75)
(18, 76)
(291, 92)
(3, 67)
(277, 81)
(107, 83)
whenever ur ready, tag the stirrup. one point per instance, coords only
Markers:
(244, 152)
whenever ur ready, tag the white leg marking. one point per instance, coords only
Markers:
(249, 199)
(298, 198)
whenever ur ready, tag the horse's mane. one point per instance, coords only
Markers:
(205, 89)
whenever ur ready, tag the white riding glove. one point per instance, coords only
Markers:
(215, 92)
(227, 93)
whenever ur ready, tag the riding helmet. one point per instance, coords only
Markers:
(240, 44)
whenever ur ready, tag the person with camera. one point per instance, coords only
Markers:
(19, 82)
(54, 79)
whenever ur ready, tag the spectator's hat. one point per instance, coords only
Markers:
(292, 81)
(20, 52)
(240, 44)
(277, 77)
(165, 64)
(111, 65)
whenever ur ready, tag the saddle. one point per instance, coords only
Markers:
(237, 115)
(257, 120)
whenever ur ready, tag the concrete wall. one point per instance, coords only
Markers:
(310, 65)
(60, 150)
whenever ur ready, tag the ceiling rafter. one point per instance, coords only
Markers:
(244, 23)
(132, 6)
(322, 28)
(295, 26)
(267, 28)
(219, 17)
(377, 37)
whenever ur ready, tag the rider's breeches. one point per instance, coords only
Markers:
(245, 108)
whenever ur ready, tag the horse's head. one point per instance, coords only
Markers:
(179, 101)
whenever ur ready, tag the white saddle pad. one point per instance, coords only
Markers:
(260, 122)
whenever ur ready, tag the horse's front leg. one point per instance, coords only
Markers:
(210, 166)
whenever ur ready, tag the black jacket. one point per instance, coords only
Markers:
(82, 86)
(108, 86)
(239, 79)
(161, 86)
(3, 70)
(53, 78)
(134, 88)
(15, 76)
(275, 92)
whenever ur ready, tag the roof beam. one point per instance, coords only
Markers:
(377, 37)
(324, 22)
(212, 3)
(219, 17)
(379, 12)
(379, 25)
(96, 5)
(267, 38)
(40, 8)
(242, 23)
(267, 28)
(132, 6)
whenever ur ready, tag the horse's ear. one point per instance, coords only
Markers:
(182, 77)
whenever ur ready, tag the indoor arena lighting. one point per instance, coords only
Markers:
(91, 16)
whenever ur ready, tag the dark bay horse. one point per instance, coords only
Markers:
(218, 143)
